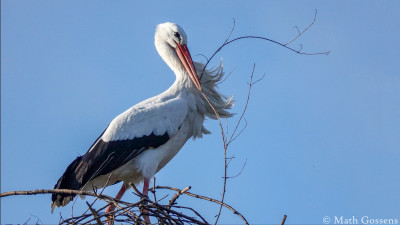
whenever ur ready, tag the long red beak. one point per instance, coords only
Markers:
(184, 55)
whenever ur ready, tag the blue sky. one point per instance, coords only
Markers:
(323, 132)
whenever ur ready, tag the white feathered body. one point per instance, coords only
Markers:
(143, 139)
(179, 111)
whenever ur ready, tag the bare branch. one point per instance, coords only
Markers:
(285, 45)
(26, 222)
(94, 214)
(154, 192)
(283, 219)
(241, 131)
(176, 196)
(208, 199)
(250, 83)
(58, 191)
(240, 172)
(137, 192)
(194, 211)
(302, 32)
(225, 42)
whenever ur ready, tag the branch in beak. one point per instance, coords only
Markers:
(186, 59)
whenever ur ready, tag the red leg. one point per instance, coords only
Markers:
(112, 206)
(118, 197)
(146, 187)
(145, 192)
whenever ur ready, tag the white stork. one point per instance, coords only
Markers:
(143, 139)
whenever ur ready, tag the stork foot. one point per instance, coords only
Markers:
(111, 207)
(110, 218)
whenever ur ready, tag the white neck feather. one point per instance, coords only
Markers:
(209, 81)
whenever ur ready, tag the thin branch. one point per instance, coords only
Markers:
(94, 214)
(240, 172)
(251, 84)
(207, 199)
(283, 219)
(232, 137)
(154, 208)
(58, 191)
(138, 193)
(285, 45)
(302, 32)
(95, 191)
(26, 222)
(225, 149)
(194, 211)
(154, 192)
(176, 196)
(230, 159)
(240, 132)
(225, 42)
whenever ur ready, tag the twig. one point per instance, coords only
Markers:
(241, 130)
(163, 213)
(57, 191)
(283, 219)
(225, 43)
(94, 191)
(300, 33)
(191, 209)
(179, 214)
(207, 199)
(154, 192)
(265, 39)
(233, 136)
(176, 196)
(240, 172)
(225, 149)
(251, 84)
(138, 193)
(98, 221)
(26, 222)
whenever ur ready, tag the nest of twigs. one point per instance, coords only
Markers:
(159, 211)
(162, 210)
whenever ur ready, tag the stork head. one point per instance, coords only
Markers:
(171, 44)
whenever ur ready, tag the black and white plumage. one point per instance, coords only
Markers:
(143, 139)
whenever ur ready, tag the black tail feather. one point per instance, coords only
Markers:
(67, 181)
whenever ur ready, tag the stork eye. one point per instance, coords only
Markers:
(176, 34)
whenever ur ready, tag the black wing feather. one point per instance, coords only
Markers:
(102, 158)
(105, 157)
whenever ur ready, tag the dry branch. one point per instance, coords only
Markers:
(132, 212)
(284, 45)
(224, 133)
(176, 196)
(208, 199)
(300, 33)
(94, 213)
(283, 219)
